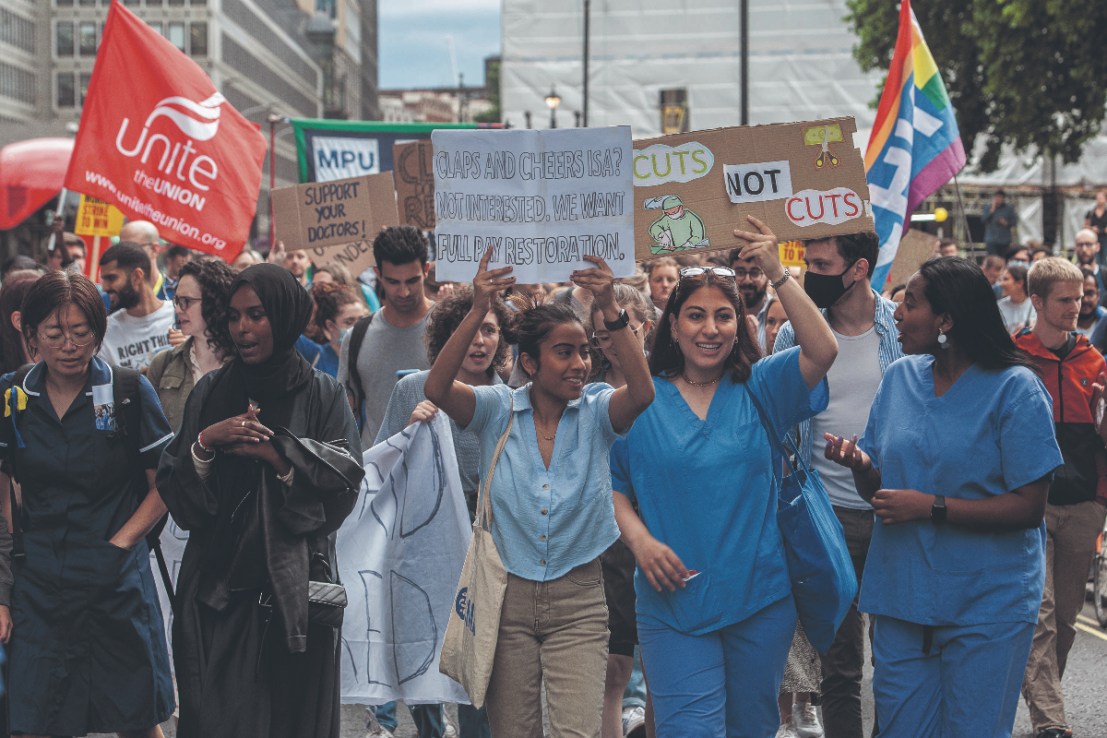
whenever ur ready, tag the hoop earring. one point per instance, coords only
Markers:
(943, 340)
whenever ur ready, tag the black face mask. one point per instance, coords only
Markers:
(825, 289)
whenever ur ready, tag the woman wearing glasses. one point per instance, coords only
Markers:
(715, 609)
(201, 302)
(88, 652)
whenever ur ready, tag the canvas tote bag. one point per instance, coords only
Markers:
(469, 647)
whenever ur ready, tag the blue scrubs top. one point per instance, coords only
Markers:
(990, 433)
(706, 489)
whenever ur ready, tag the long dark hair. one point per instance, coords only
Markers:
(214, 277)
(958, 287)
(667, 360)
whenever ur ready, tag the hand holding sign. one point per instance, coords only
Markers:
(598, 280)
(488, 283)
(762, 247)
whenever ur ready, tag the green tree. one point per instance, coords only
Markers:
(1029, 73)
(492, 84)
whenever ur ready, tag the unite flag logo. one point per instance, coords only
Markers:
(158, 141)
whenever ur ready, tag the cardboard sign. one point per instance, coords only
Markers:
(414, 181)
(914, 248)
(320, 214)
(540, 199)
(97, 218)
(804, 180)
(791, 254)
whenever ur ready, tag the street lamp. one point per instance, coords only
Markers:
(552, 101)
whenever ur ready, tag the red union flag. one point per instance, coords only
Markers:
(157, 140)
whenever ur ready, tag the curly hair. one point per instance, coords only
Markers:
(446, 316)
(400, 245)
(330, 298)
(214, 277)
(667, 360)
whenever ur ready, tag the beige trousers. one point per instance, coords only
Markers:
(553, 633)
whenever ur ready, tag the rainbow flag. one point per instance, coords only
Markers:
(915, 146)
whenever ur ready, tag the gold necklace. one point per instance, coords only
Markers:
(539, 429)
(700, 384)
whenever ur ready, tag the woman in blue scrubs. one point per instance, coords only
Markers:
(715, 608)
(956, 460)
(88, 652)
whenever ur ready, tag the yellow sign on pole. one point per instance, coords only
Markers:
(791, 254)
(97, 218)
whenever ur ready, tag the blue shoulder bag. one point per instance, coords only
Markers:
(823, 581)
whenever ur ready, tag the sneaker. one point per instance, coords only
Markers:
(787, 730)
(450, 731)
(1055, 732)
(375, 729)
(634, 722)
(806, 719)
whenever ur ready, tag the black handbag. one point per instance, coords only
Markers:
(326, 600)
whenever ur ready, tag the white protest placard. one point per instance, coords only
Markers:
(540, 199)
(400, 554)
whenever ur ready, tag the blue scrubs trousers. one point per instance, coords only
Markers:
(721, 684)
(966, 683)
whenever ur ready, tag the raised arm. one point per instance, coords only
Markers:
(818, 347)
(441, 388)
(628, 402)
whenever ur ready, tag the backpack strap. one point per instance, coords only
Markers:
(357, 338)
(19, 549)
(128, 418)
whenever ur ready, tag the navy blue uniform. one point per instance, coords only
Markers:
(88, 651)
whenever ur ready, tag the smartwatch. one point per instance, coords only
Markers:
(619, 323)
(938, 510)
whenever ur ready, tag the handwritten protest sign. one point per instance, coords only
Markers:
(540, 199)
(414, 180)
(97, 218)
(320, 214)
(805, 180)
(335, 222)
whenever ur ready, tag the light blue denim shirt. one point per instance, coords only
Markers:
(548, 521)
(888, 350)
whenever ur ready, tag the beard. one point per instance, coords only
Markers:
(752, 295)
(125, 298)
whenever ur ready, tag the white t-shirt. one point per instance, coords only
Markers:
(853, 379)
(132, 342)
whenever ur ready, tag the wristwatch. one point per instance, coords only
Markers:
(938, 510)
(619, 323)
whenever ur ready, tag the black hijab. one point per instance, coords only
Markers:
(273, 382)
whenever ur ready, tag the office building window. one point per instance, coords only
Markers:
(85, 78)
(198, 39)
(156, 25)
(86, 39)
(63, 39)
(176, 34)
(67, 94)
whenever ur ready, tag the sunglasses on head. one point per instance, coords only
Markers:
(696, 271)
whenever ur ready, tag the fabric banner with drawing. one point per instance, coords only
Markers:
(400, 554)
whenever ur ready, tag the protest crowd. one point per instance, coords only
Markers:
(631, 435)
(524, 471)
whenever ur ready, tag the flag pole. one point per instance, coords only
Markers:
(965, 235)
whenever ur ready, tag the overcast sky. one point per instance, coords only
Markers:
(416, 37)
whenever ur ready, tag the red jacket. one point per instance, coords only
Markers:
(1069, 382)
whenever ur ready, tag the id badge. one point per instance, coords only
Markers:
(103, 406)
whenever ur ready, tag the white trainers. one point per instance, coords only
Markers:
(450, 731)
(787, 730)
(806, 719)
(634, 722)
